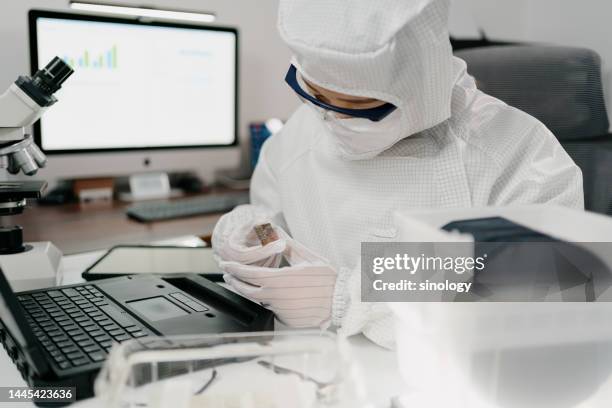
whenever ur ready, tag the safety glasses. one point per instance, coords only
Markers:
(374, 114)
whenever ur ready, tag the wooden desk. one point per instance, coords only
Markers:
(77, 228)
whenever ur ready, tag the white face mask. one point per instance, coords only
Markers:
(360, 139)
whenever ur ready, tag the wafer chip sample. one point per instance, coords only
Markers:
(265, 233)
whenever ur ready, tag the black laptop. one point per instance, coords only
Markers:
(59, 337)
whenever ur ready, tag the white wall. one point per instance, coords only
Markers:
(562, 22)
(497, 18)
(264, 58)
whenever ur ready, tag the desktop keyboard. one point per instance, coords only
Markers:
(78, 325)
(166, 210)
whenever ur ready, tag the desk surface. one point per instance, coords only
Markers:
(76, 228)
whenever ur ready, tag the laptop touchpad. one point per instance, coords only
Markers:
(157, 308)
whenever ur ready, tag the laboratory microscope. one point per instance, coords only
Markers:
(31, 265)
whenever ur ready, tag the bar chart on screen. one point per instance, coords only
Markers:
(88, 59)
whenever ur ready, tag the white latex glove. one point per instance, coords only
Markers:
(299, 294)
(234, 239)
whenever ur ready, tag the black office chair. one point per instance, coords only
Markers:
(562, 87)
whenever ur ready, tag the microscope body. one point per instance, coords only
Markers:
(17, 110)
(31, 265)
(37, 267)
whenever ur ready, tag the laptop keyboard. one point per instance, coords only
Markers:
(78, 325)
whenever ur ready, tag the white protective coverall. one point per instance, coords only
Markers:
(461, 147)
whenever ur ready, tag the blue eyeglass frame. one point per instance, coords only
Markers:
(374, 114)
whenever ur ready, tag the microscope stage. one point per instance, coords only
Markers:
(17, 190)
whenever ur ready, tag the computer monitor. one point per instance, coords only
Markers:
(144, 95)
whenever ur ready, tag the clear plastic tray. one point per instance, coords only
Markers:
(262, 370)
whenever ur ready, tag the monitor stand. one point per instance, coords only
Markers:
(149, 186)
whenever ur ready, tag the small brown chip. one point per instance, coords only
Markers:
(265, 233)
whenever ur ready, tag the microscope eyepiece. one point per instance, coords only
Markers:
(45, 82)
(51, 77)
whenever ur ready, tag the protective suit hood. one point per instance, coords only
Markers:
(397, 51)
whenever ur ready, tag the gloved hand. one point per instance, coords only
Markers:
(234, 239)
(299, 294)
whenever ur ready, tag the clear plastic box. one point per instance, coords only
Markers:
(263, 370)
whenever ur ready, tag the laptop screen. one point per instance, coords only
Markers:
(10, 310)
(14, 320)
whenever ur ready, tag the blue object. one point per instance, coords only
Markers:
(259, 134)
(374, 114)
